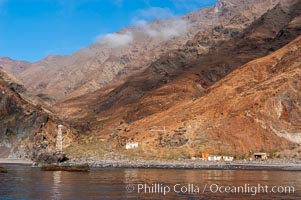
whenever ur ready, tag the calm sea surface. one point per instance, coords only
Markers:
(31, 183)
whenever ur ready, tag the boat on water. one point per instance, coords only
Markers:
(66, 167)
(3, 170)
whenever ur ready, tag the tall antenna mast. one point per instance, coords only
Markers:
(59, 139)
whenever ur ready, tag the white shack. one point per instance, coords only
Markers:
(260, 156)
(228, 158)
(214, 158)
(220, 158)
(131, 145)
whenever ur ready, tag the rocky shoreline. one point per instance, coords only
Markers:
(182, 164)
(235, 165)
(10, 161)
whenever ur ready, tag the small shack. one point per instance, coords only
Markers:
(260, 156)
(214, 158)
(220, 158)
(228, 158)
(131, 145)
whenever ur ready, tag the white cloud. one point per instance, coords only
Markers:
(118, 39)
(176, 28)
(168, 28)
(165, 30)
(155, 13)
(139, 22)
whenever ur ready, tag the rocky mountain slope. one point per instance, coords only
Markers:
(255, 108)
(163, 94)
(14, 66)
(27, 129)
(133, 49)
(227, 83)
(195, 70)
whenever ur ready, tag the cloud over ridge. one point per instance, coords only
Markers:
(118, 39)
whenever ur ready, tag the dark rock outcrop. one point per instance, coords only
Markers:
(50, 158)
(25, 127)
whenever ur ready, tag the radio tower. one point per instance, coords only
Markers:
(59, 140)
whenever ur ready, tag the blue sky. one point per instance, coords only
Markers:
(32, 29)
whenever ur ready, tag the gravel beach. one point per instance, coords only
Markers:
(182, 164)
(195, 164)
(10, 161)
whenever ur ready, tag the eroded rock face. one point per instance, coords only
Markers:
(26, 129)
(98, 65)
(176, 139)
(15, 67)
(49, 158)
(200, 88)
(230, 45)
(186, 87)
(254, 108)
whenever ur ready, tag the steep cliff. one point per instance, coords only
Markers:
(185, 91)
(133, 49)
(255, 108)
(149, 92)
(229, 83)
(27, 129)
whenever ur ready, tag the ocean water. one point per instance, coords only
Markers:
(23, 182)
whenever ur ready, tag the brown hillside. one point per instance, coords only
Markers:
(26, 129)
(146, 93)
(256, 107)
(58, 78)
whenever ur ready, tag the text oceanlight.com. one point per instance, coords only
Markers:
(163, 189)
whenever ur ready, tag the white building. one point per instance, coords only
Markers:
(131, 145)
(220, 158)
(228, 158)
(260, 156)
(214, 158)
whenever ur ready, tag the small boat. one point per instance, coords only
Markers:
(3, 170)
(66, 167)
